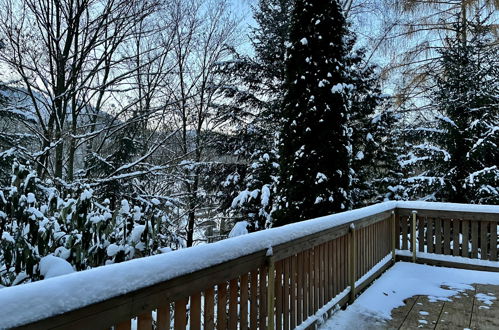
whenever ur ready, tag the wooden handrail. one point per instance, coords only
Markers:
(304, 274)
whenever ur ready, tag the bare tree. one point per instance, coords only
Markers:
(205, 32)
(67, 56)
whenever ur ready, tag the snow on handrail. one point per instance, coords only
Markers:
(448, 207)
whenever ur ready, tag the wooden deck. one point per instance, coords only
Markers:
(471, 309)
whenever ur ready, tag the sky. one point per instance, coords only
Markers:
(242, 8)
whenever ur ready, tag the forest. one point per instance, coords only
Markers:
(133, 128)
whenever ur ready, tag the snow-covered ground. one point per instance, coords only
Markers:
(402, 281)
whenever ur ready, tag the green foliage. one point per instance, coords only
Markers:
(72, 223)
(457, 157)
(316, 138)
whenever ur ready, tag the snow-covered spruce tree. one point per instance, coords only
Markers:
(375, 168)
(372, 121)
(256, 94)
(457, 159)
(315, 146)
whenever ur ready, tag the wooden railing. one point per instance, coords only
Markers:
(295, 282)
(459, 234)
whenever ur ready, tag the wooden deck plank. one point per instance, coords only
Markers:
(400, 314)
(456, 314)
(467, 309)
(485, 316)
(423, 315)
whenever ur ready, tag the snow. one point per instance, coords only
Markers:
(86, 194)
(265, 195)
(31, 198)
(486, 298)
(241, 198)
(112, 250)
(320, 178)
(240, 228)
(323, 310)
(441, 257)
(373, 270)
(389, 292)
(304, 41)
(137, 232)
(51, 266)
(165, 249)
(451, 207)
(33, 301)
(8, 238)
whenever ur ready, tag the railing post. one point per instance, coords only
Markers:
(270, 292)
(414, 215)
(394, 235)
(351, 261)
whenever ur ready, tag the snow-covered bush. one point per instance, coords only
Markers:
(72, 223)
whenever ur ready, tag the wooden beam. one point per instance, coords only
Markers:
(270, 293)
(352, 252)
(413, 235)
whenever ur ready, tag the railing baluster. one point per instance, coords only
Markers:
(474, 239)
(493, 241)
(394, 234)
(484, 229)
(321, 274)
(455, 237)
(352, 261)
(278, 294)
(403, 223)
(270, 295)
(421, 234)
(125, 325)
(144, 321)
(244, 302)
(438, 236)
(446, 223)
(209, 309)
(195, 312)
(429, 235)
(233, 290)
(262, 299)
(180, 321)
(292, 306)
(466, 238)
(310, 282)
(254, 300)
(221, 306)
(163, 318)
(285, 294)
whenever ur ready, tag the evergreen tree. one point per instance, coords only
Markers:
(257, 95)
(456, 160)
(315, 146)
(376, 171)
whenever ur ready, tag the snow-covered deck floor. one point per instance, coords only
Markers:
(413, 296)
